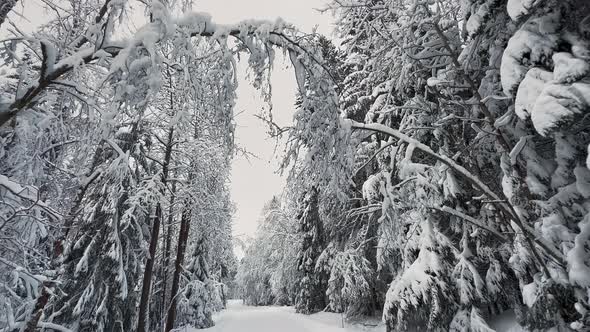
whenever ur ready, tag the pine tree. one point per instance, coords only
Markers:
(310, 297)
(196, 304)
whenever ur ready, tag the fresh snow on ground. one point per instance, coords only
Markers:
(506, 322)
(241, 318)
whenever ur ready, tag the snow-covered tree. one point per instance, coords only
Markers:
(311, 290)
(120, 155)
(439, 166)
(268, 272)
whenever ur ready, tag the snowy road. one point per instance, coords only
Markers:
(240, 318)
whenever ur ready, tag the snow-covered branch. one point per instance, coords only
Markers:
(475, 181)
(471, 220)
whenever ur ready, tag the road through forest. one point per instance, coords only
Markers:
(240, 318)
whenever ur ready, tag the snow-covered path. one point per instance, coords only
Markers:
(240, 318)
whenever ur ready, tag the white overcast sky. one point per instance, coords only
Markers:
(253, 181)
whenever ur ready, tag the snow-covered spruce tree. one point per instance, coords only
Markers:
(348, 260)
(196, 304)
(253, 277)
(43, 164)
(223, 262)
(202, 294)
(350, 288)
(401, 81)
(545, 68)
(350, 238)
(440, 92)
(352, 226)
(100, 267)
(268, 273)
(311, 293)
(280, 228)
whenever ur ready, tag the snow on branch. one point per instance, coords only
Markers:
(163, 27)
(423, 147)
(48, 52)
(53, 326)
(532, 236)
(28, 193)
(471, 220)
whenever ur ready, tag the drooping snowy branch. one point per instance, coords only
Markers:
(509, 210)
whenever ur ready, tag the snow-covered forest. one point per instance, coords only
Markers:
(438, 165)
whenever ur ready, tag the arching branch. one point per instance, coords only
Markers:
(470, 220)
(194, 24)
(531, 236)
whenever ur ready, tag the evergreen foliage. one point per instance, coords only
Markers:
(439, 167)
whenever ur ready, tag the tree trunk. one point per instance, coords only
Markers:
(155, 233)
(40, 304)
(167, 245)
(147, 275)
(182, 240)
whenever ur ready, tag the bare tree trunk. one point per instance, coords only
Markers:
(167, 245)
(40, 304)
(182, 240)
(148, 273)
(155, 233)
(5, 8)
